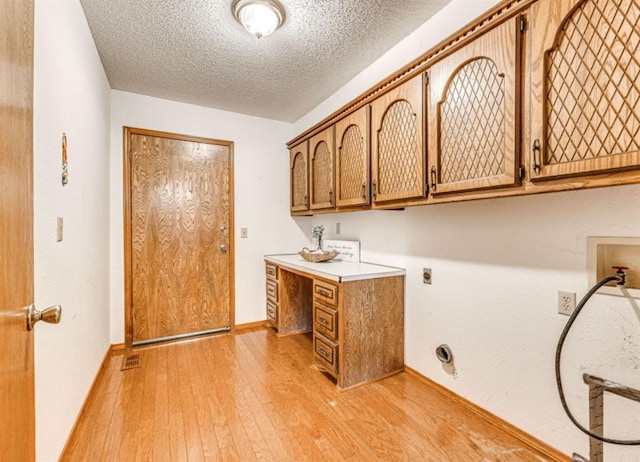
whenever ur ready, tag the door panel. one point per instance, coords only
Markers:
(17, 413)
(299, 177)
(474, 113)
(181, 248)
(352, 159)
(585, 108)
(321, 170)
(397, 143)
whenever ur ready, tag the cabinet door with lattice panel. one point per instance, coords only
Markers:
(321, 173)
(474, 113)
(299, 177)
(352, 159)
(585, 87)
(398, 158)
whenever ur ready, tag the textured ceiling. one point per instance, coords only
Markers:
(194, 51)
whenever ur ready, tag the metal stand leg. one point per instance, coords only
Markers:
(597, 387)
(596, 420)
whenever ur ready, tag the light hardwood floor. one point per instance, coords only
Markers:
(254, 396)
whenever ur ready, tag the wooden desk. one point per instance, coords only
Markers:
(356, 312)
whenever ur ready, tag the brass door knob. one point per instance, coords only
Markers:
(49, 315)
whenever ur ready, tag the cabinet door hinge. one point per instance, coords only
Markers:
(522, 172)
(523, 24)
(426, 78)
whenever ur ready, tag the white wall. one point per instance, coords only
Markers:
(261, 191)
(497, 266)
(72, 95)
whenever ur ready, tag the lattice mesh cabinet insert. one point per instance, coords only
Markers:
(299, 179)
(322, 174)
(472, 142)
(398, 150)
(592, 83)
(352, 163)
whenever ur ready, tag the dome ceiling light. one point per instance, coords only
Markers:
(259, 17)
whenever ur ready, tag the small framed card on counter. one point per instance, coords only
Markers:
(349, 250)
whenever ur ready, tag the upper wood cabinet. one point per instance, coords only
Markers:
(299, 177)
(352, 159)
(533, 96)
(321, 172)
(397, 143)
(585, 101)
(474, 107)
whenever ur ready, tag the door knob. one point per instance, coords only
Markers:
(223, 229)
(50, 315)
(223, 248)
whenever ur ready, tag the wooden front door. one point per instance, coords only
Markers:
(17, 414)
(178, 236)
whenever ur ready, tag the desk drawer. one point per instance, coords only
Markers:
(325, 320)
(325, 292)
(326, 352)
(272, 271)
(272, 313)
(272, 290)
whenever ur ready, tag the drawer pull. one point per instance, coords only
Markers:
(323, 351)
(324, 293)
(323, 319)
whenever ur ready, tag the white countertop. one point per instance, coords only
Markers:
(336, 270)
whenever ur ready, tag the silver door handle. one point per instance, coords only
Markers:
(223, 248)
(51, 315)
(223, 229)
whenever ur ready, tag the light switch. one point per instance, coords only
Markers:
(59, 229)
(244, 233)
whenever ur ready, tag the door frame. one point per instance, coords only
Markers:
(128, 258)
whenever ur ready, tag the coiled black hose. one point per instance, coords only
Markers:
(563, 336)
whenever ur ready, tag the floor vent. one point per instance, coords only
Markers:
(130, 362)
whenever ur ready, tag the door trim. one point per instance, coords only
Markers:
(128, 282)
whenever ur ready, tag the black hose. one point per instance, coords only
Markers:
(563, 336)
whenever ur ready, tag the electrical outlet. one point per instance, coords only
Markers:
(566, 303)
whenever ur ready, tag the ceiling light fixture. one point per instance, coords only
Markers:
(259, 17)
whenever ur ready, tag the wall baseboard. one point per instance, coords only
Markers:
(250, 326)
(117, 349)
(85, 404)
(533, 443)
